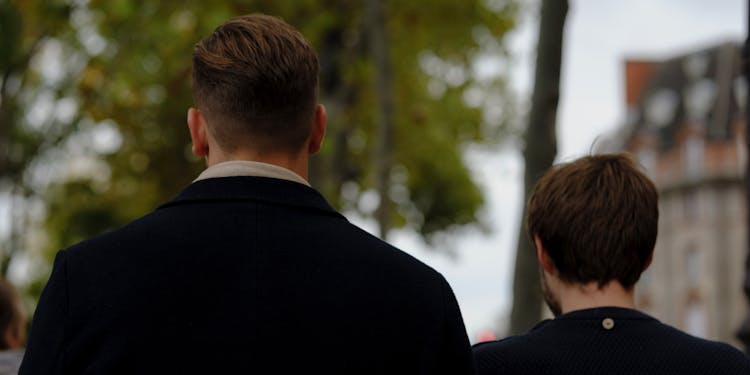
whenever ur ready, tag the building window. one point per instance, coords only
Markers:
(661, 108)
(699, 99)
(693, 157)
(694, 267)
(691, 208)
(647, 158)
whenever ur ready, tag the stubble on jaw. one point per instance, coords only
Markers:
(549, 297)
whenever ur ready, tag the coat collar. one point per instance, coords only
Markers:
(605, 312)
(597, 313)
(250, 168)
(253, 188)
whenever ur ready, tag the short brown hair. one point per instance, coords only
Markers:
(597, 218)
(255, 80)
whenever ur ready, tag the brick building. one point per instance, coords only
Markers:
(685, 123)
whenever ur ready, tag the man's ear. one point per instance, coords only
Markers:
(318, 130)
(197, 125)
(544, 259)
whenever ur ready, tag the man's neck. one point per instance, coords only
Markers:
(586, 296)
(295, 163)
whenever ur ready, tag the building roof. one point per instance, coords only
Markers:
(704, 88)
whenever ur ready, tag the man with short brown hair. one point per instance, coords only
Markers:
(249, 270)
(594, 223)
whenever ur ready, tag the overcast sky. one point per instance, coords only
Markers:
(600, 35)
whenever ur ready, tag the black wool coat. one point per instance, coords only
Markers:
(246, 275)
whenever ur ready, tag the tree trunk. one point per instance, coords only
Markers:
(539, 152)
(378, 41)
(328, 173)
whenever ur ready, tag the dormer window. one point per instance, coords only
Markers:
(693, 156)
(661, 108)
(699, 99)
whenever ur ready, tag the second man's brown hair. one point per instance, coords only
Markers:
(597, 218)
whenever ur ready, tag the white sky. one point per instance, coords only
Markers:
(600, 34)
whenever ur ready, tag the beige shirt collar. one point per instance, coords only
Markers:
(234, 168)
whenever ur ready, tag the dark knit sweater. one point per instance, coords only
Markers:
(582, 342)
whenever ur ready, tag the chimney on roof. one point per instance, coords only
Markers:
(637, 74)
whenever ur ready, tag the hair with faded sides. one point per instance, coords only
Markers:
(255, 79)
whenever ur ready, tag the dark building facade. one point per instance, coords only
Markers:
(686, 124)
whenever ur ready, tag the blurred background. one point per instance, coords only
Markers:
(440, 117)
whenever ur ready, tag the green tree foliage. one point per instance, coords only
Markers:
(126, 70)
(25, 93)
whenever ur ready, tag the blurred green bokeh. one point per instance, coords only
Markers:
(93, 101)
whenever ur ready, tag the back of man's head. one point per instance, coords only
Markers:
(255, 80)
(597, 219)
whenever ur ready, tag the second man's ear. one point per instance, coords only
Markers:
(547, 264)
